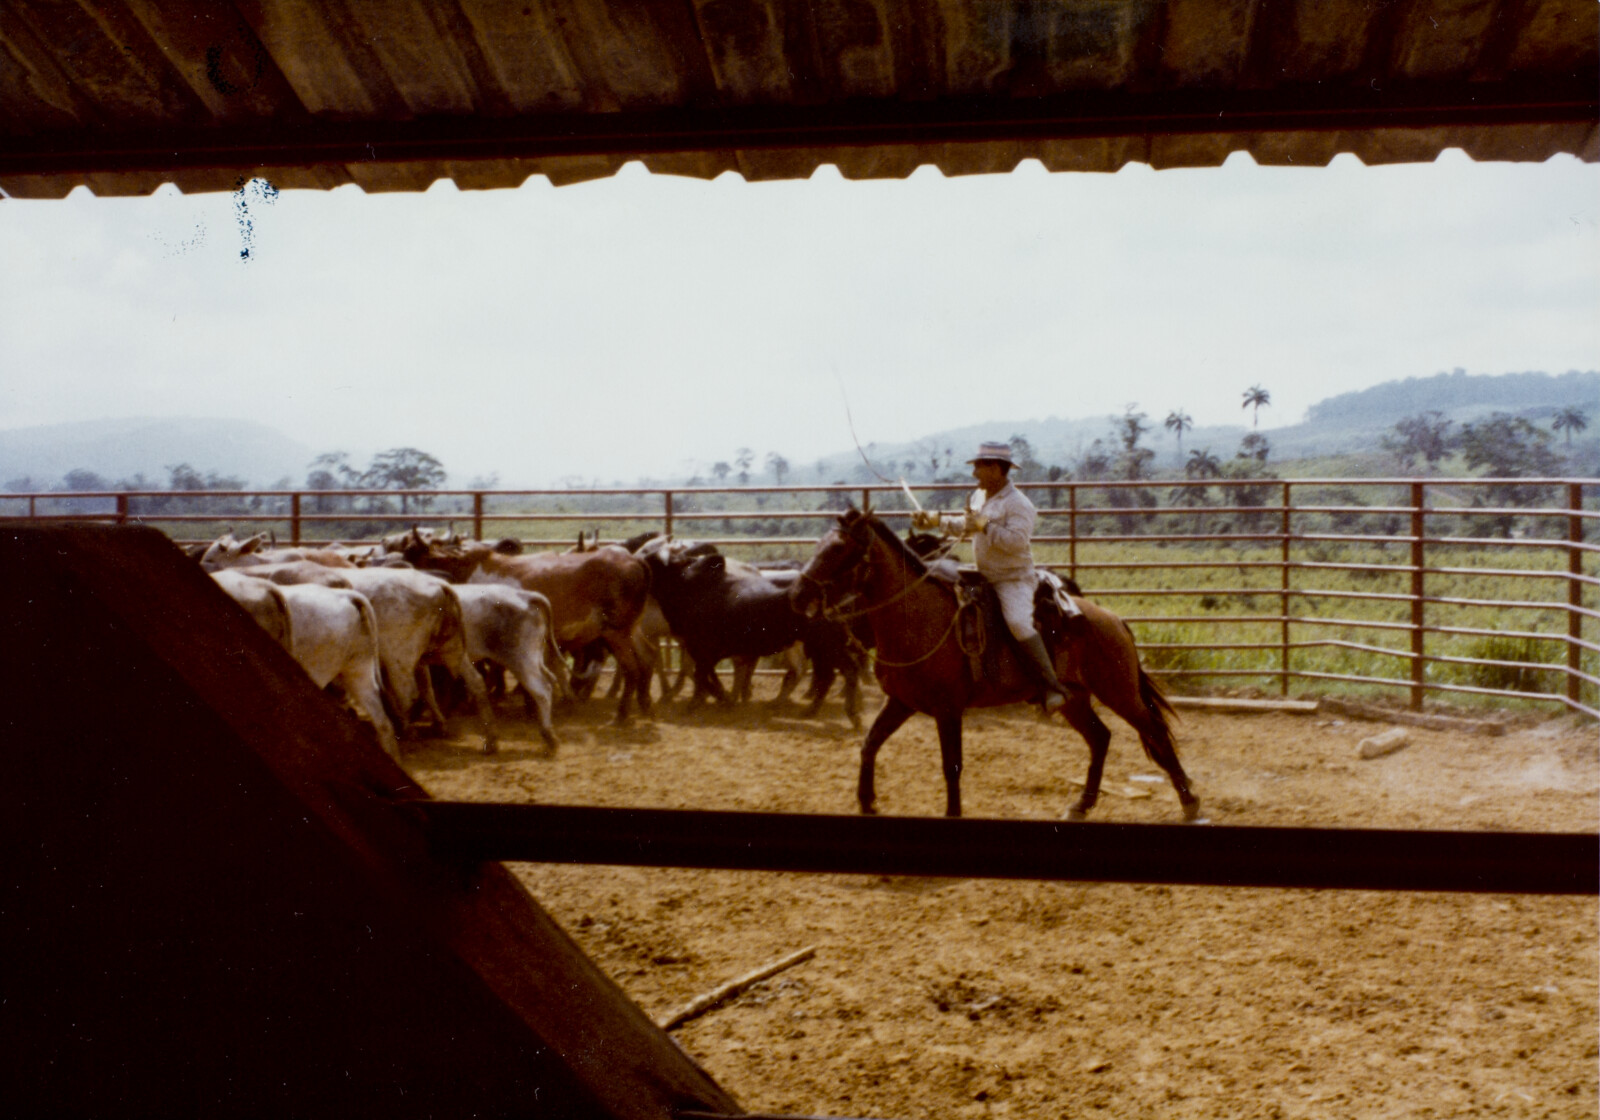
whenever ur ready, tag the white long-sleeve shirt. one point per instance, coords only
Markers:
(1002, 550)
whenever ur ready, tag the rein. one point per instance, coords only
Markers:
(834, 614)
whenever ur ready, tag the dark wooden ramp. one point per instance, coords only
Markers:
(214, 900)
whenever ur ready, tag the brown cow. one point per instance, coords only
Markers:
(594, 596)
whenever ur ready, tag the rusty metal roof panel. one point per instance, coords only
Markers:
(124, 95)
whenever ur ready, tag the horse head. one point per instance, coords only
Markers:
(832, 567)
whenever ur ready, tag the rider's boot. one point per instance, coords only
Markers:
(1055, 694)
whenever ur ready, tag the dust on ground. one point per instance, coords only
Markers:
(948, 998)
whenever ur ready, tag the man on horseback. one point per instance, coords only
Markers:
(1001, 528)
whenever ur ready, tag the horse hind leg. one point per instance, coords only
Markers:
(1080, 713)
(1156, 737)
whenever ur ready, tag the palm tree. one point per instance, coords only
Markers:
(1255, 397)
(1179, 421)
(1202, 464)
(779, 466)
(1573, 419)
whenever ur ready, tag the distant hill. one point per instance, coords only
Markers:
(1348, 425)
(1461, 396)
(118, 450)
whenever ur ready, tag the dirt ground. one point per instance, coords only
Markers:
(947, 998)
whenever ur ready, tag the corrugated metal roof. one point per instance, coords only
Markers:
(127, 94)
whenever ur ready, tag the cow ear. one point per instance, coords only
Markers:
(253, 543)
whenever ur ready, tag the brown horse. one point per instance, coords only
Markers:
(922, 668)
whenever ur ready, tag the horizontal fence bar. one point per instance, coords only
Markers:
(1342, 859)
(1439, 686)
(1361, 646)
(1518, 573)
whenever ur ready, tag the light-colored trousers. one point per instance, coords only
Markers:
(1016, 603)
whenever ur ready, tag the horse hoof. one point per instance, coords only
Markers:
(1075, 814)
(869, 810)
(1191, 814)
(490, 747)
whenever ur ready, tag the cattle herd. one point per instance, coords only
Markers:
(385, 624)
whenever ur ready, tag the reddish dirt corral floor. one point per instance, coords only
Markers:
(943, 997)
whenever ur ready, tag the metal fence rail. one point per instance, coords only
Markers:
(1223, 579)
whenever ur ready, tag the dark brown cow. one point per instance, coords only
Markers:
(594, 596)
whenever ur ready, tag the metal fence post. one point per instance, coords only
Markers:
(294, 518)
(1418, 667)
(1574, 590)
(667, 509)
(866, 500)
(477, 515)
(1072, 531)
(122, 509)
(1283, 599)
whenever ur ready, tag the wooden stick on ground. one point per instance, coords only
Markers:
(703, 1003)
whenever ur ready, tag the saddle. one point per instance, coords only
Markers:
(981, 629)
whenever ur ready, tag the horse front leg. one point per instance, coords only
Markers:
(1080, 713)
(890, 719)
(950, 755)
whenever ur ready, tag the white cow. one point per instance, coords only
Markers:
(228, 552)
(420, 624)
(263, 601)
(336, 640)
(511, 628)
(293, 571)
(332, 633)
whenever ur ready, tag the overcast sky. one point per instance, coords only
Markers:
(647, 325)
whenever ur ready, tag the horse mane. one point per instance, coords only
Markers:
(889, 537)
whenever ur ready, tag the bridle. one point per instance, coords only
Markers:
(860, 566)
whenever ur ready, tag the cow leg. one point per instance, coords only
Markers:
(470, 677)
(894, 714)
(536, 687)
(794, 666)
(852, 696)
(628, 665)
(950, 756)
(822, 674)
(360, 684)
(706, 683)
(744, 673)
(685, 673)
(402, 684)
(430, 701)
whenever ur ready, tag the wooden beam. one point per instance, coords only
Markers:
(1350, 859)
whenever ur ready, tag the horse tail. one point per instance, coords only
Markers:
(1156, 736)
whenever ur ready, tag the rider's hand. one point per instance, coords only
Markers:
(976, 522)
(925, 520)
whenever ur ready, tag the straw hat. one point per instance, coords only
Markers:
(994, 452)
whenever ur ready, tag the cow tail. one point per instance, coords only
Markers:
(369, 623)
(283, 613)
(555, 662)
